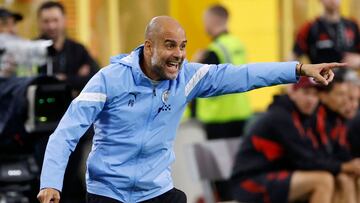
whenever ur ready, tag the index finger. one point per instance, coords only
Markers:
(336, 65)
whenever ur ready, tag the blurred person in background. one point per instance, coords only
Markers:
(354, 127)
(352, 104)
(136, 104)
(222, 116)
(71, 62)
(8, 21)
(330, 37)
(354, 124)
(277, 161)
(338, 104)
(8, 29)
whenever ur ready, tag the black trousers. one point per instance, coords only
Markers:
(172, 196)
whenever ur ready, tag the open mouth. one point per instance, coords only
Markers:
(173, 66)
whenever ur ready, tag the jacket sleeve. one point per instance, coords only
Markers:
(81, 113)
(212, 80)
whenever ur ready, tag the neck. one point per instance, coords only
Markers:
(332, 16)
(219, 31)
(59, 43)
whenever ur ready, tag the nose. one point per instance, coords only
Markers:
(178, 53)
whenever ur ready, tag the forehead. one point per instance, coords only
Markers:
(51, 12)
(173, 34)
(340, 87)
(308, 90)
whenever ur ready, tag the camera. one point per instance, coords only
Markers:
(21, 56)
(30, 107)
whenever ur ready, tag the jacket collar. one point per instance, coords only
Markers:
(132, 61)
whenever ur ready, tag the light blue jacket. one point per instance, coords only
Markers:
(135, 122)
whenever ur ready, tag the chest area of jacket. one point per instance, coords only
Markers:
(143, 105)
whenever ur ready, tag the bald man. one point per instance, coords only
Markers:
(136, 103)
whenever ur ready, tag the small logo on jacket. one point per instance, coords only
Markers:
(133, 98)
(165, 107)
(165, 96)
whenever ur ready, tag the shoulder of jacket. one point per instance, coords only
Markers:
(114, 69)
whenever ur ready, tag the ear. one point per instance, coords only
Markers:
(148, 47)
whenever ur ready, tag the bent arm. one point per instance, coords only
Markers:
(81, 113)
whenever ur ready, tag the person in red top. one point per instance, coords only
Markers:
(279, 160)
(338, 104)
(330, 37)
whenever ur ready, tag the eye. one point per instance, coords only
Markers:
(183, 46)
(170, 46)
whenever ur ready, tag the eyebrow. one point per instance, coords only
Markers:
(173, 41)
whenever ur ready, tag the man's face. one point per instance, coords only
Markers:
(337, 98)
(209, 21)
(8, 26)
(168, 54)
(331, 5)
(12, 28)
(306, 99)
(52, 23)
(352, 102)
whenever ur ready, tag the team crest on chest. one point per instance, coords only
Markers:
(165, 96)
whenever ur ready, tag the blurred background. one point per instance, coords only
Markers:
(267, 28)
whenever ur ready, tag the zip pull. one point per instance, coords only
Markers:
(154, 91)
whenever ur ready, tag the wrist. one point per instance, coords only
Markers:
(299, 70)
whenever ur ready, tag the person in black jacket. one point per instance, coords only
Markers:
(338, 104)
(353, 113)
(71, 62)
(329, 37)
(277, 161)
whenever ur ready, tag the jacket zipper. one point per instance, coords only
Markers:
(154, 91)
(146, 129)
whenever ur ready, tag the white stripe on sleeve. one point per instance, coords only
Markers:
(196, 78)
(95, 97)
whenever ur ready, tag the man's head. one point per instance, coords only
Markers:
(352, 103)
(304, 95)
(215, 20)
(8, 21)
(164, 48)
(335, 95)
(331, 6)
(51, 20)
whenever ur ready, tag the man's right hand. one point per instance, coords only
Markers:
(321, 73)
(49, 195)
